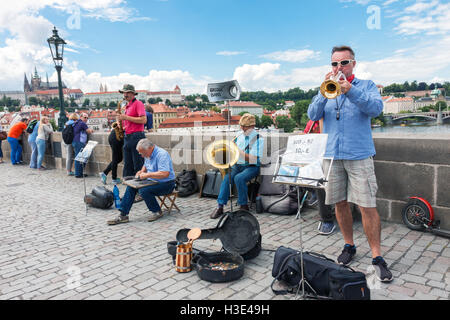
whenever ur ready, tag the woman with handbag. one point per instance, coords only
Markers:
(44, 131)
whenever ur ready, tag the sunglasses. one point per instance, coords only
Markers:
(343, 62)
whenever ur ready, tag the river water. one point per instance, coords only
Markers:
(417, 127)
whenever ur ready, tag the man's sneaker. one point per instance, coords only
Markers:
(154, 216)
(103, 177)
(381, 270)
(116, 181)
(326, 228)
(118, 220)
(347, 254)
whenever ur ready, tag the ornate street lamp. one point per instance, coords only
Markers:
(56, 44)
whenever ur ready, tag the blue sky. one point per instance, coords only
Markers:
(264, 44)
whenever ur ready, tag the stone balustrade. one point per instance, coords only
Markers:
(405, 165)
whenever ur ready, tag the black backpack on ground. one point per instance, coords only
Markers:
(100, 197)
(324, 278)
(68, 134)
(186, 183)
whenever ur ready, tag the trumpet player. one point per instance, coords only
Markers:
(352, 178)
(250, 146)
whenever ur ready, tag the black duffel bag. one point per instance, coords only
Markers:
(100, 197)
(324, 278)
(186, 183)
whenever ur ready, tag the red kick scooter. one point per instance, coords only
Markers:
(419, 215)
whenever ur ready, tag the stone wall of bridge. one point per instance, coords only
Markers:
(405, 165)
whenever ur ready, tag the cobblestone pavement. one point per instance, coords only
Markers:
(50, 248)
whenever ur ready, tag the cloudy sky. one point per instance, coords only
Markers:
(265, 44)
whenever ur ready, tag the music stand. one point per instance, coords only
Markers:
(292, 169)
(83, 157)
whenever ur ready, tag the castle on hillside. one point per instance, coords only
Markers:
(37, 84)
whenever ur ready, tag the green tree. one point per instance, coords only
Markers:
(257, 122)
(298, 110)
(442, 105)
(86, 102)
(54, 125)
(73, 103)
(286, 123)
(204, 98)
(33, 101)
(113, 105)
(266, 121)
(422, 86)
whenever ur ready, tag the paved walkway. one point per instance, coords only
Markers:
(51, 249)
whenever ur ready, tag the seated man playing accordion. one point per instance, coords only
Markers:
(250, 146)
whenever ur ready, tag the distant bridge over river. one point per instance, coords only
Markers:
(438, 116)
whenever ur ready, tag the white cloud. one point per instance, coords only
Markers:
(292, 55)
(422, 62)
(26, 31)
(421, 6)
(155, 80)
(429, 18)
(229, 53)
(360, 2)
(269, 77)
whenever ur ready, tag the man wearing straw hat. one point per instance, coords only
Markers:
(133, 121)
(250, 146)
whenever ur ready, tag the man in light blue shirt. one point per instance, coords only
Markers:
(157, 167)
(352, 176)
(250, 146)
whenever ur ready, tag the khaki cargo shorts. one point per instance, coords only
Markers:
(351, 180)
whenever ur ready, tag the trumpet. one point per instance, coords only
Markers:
(331, 88)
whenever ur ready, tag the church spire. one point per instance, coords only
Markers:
(26, 84)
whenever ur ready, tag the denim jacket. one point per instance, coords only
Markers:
(350, 137)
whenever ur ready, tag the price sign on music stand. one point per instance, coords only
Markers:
(84, 155)
(301, 164)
